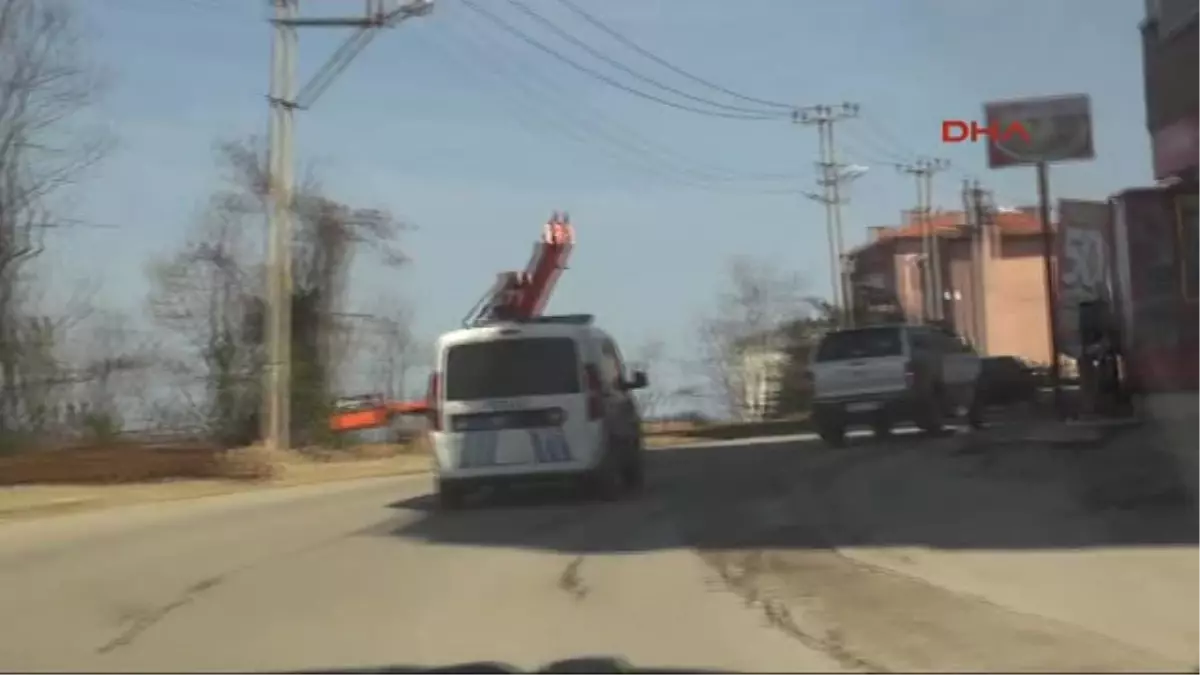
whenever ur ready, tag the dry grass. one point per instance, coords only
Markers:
(661, 428)
(668, 440)
(88, 478)
(676, 433)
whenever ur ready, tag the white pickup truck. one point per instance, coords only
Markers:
(883, 375)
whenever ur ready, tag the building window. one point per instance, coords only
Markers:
(1189, 245)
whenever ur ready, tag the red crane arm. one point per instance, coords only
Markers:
(523, 295)
(515, 296)
(545, 267)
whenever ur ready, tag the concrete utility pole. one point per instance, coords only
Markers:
(977, 220)
(831, 178)
(923, 170)
(284, 100)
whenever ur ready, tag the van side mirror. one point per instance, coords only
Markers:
(637, 380)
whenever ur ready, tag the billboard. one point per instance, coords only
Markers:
(1034, 130)
(1084, 271)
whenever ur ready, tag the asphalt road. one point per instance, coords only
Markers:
(367, 573)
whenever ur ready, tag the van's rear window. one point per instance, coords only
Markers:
(512, 368)
(862, 343)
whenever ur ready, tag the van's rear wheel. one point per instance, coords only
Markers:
(450, 495)
(634, 472)
(932, 419)
(607, 481)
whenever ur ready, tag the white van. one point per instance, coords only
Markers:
(546, 398)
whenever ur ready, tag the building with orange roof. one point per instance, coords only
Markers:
(994, 292)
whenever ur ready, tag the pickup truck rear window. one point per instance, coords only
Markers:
(860, 343)
(511, 369)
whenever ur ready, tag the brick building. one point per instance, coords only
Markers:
(994, 291)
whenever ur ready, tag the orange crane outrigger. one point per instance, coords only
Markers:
(515, 296)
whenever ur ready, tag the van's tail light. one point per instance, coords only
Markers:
(910, 374)
(595, 393)
(432, 398)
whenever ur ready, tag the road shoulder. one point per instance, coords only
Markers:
(1033, 528)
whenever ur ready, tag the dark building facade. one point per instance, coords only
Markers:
(1169, 61)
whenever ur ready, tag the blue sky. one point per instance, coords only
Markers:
(474, 137)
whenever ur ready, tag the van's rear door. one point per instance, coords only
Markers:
(514, 400)
(860, 362)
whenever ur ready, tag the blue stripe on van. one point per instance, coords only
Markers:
(549, 445)
(478, 449)
(535, 441)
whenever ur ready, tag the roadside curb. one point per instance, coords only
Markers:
(69, 506)
(54, 507)
(1068, 434)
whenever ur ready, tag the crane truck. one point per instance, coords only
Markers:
(514, 296)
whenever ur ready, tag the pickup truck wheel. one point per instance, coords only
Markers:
(975, 415)
(931, 414)
(834, 436)
(882, 429)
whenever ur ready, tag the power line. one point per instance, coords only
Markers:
(591, 125)
(517, 33)
(530, 12)
(666, 64)
(596, 120)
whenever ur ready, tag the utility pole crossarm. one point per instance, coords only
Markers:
(375, 17)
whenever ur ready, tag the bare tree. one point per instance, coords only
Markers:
(46, 81)
(652, 358)
(117, 358)
(747, 317)
(393, 349)
(211, 292)
(206, 296)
